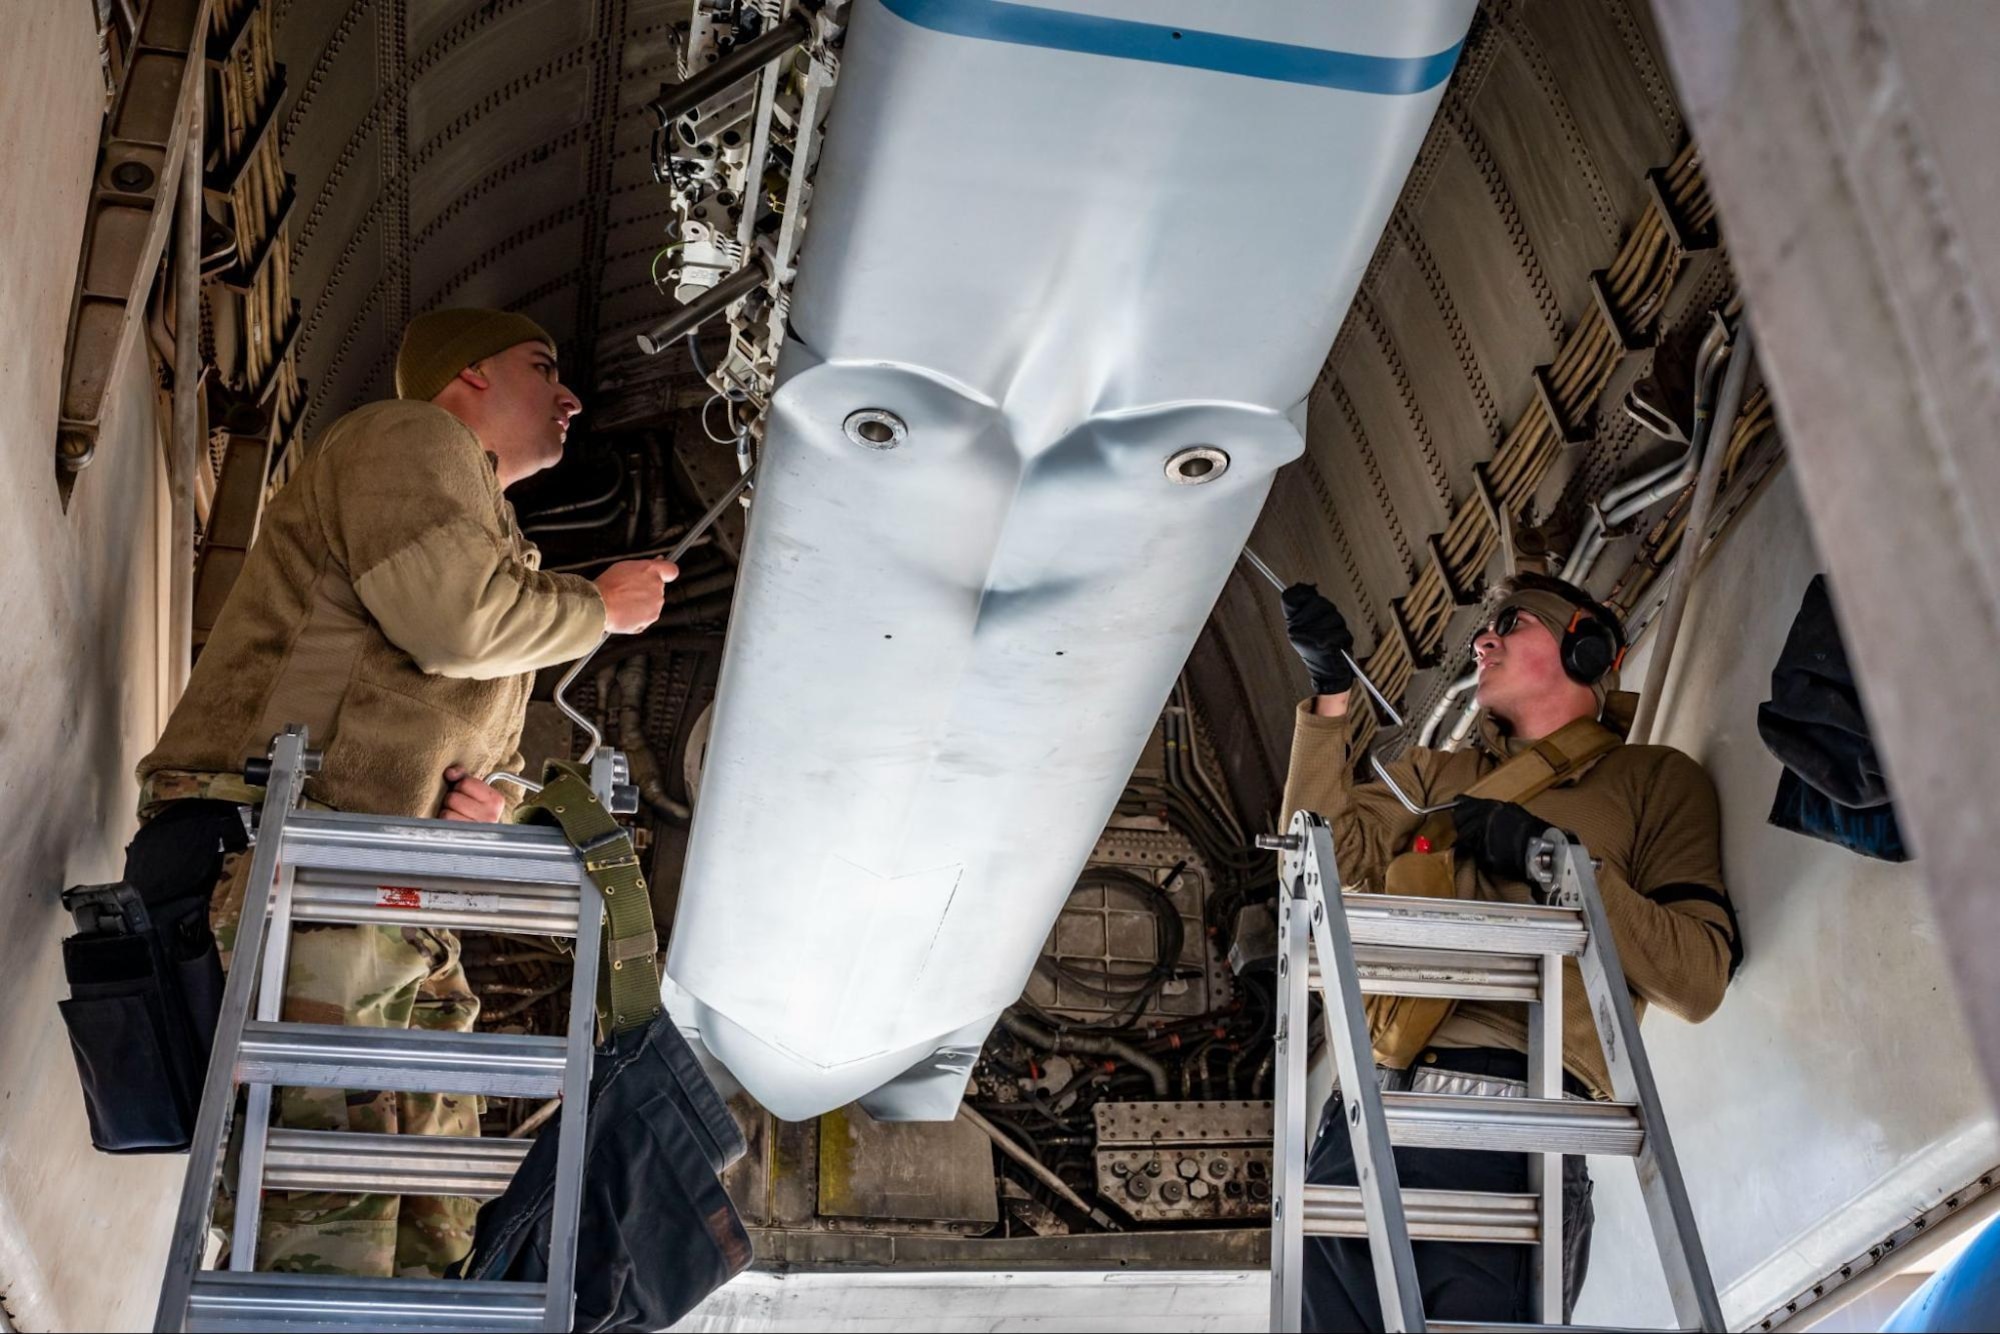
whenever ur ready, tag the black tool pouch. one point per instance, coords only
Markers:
(657, 1232)
(146, 981)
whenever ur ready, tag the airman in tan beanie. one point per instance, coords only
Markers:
(440, 344)
(393, 606)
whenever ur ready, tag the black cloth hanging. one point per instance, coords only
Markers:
(1833, 787)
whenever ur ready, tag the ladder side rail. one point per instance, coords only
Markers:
(1671, 1213)
(218, 1091)
(1545, 1170)
(566, 1220)
(1294, 1135)
(256, 1129)
(1367, 1125)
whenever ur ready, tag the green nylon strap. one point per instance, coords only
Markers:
(628, 993)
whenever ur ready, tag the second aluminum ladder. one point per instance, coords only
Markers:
(1467, 949)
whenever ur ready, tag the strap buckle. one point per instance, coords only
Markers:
(596, 863)
(602, 841)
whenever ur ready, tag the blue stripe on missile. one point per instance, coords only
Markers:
(1125, 39)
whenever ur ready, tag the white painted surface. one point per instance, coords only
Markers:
(944, 658)
(1195, 1301)
(1835, 1094)
(82, 1236)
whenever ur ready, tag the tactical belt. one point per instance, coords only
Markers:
(628, 992)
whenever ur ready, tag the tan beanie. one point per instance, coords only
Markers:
(440, 344)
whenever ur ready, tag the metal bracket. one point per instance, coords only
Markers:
(126, 222)
(1570, 433)
(1459, 596)
(1629, 339)
(1497, 515)
(1417, 658)
(1685, 238)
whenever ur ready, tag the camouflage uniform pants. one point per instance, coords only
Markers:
(372, 977)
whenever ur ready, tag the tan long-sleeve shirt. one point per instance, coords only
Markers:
(1648, 812)
(392, 605)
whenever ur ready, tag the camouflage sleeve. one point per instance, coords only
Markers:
(416, 514)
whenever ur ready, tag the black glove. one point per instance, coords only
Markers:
(1496, 834)
(1319, 635)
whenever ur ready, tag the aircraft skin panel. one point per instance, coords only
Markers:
(1057, 270)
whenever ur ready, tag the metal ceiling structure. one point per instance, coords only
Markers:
(490, 153)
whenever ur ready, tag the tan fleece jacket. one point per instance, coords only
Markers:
(1650, 814)
(392, 605)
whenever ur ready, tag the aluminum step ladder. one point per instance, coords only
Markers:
(312, 866)
(1345, 946)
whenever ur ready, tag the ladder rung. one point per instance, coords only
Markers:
(504, 1065)
(1433, 1215)
(1512, 1125)
(224, 1300)
(541, 910)
(1473, 925)
(339, 1160)
(1388, 970)
(391, 846)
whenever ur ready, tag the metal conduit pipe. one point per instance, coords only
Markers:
(1036, 1168)
(677, 99)
(640, 464)
(695, 610)
(667, 542)
(1191, 748)
(1718, 430)
(609, 494)
(578, 525)
(715, 581)
(1462, 729)
(1457, 688)
(1048, 1039)
(632, 675)
(1634, 496)
(659, 511)
(184, 453)
(705, 307)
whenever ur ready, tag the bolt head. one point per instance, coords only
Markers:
(132, 177)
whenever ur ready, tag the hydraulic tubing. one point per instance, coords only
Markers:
(1040, 1171)
(704, 307)
(1718, 432)
(604, 497)
(1089, 1045)
(185, 455)
(1632, 497)
(1436, 720)
(677, 99)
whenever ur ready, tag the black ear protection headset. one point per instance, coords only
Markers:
(1592, 645)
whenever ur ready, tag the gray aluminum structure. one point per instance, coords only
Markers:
(313, 866)
(1385, 945)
